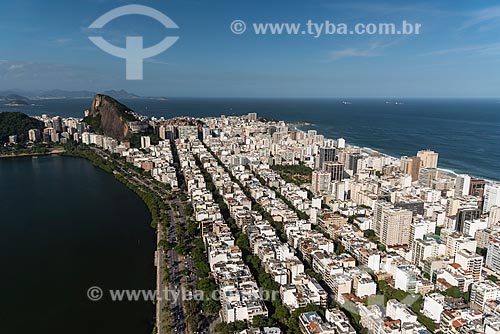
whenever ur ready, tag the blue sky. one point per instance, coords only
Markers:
(45, 45)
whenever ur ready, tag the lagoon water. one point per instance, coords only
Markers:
(67, 226)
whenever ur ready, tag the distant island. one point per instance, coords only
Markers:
(17, 95)
(14, 100)
(17, 103)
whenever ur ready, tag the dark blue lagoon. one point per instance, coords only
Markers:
(66, 226)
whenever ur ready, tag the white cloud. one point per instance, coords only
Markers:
(492, 49)
(487, 17)
(390, 8)
(15, 67)
(372, 50)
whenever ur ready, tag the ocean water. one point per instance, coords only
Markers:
(465, 132)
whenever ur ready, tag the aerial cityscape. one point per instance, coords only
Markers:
(326, 167)
(283, 229)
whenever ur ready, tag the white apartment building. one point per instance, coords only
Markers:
(364, 285)
(320, 181)
(462, 185)
(392, 225)
(491, 196)
(399, 311)
(405, 279)
(494, 216)
(433, 306)
(482, 292)
(145, 141)
(471, 262)
(493, 255)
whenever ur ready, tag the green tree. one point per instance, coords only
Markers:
(280, 313)
(192, 228)
(181, 248)
(243, 242)
(492, 278)
(210, 306)
(260, 321)
(206, 284)
(454, 292)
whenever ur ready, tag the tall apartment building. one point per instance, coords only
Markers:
(420, 227)
(434, 306)
(426, 176)
(353, 161)
(341, 143)
(336, 170)
(493, 255)
(405, 279)
(455, 242)
(145, 141)
(470, 261)
(161, 132)
(472, 226)
(311, 135)
(252, 116)
(326, 154)
(392, 225)
(494, 216)
(482, 292)
(34, 135)
(462, 185)
(57, 123)
(320, 181)
(423, 249)
(477, 187)
(86, 138)
(484, 237)
(465, 214)
(491, 196)
(428, 158)
(411, 166)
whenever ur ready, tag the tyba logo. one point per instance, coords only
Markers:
(134, 52)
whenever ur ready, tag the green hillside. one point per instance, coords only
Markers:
(16, 123)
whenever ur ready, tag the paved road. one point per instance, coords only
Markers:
(160, 286)
(174, 265)
(165, 259)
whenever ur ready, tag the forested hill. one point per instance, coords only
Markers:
(16, 123)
